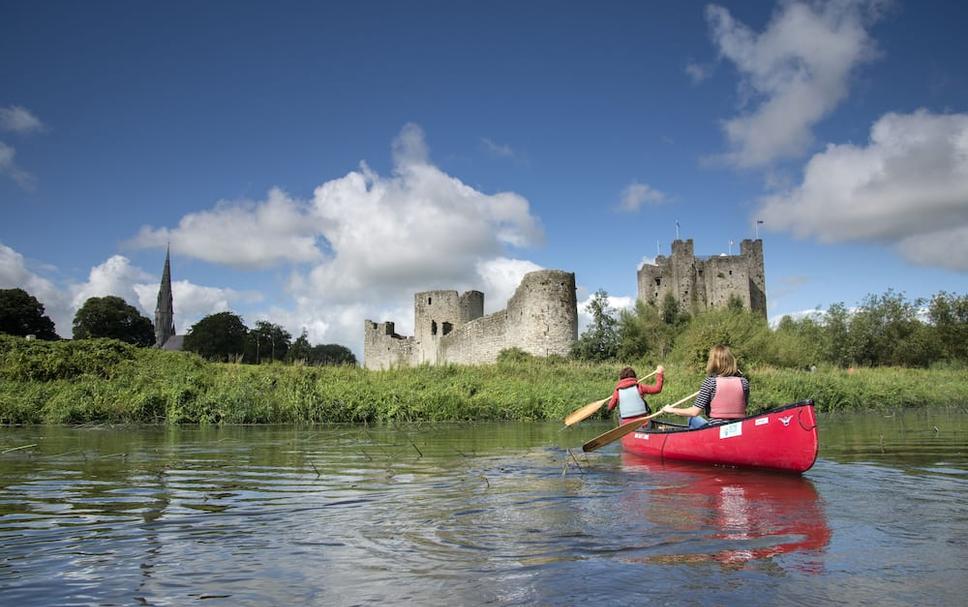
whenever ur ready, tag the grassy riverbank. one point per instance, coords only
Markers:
(104, 381)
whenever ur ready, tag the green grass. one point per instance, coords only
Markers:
(105, 381)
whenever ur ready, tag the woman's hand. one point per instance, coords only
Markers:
(660, 369)
(668, 409)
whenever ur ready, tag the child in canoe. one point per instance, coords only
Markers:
(723, 394)
(629, 393)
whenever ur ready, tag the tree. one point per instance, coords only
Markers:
(331, 354)
(643, 332)
(948, 314)
(267, 342)
(217, 336)
(21, 314)
(300, 349)
(113, 317)
(600, 340)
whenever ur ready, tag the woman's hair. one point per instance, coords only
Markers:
(721, 362)
(626, 373)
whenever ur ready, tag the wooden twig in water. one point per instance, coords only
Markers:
(17, 448)
(486, 481)
(576, 462)
(315, 468)
(415, 447)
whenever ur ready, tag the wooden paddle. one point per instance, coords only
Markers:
(588, 410)
(616, 433)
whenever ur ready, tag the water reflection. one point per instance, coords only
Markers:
(740, 515)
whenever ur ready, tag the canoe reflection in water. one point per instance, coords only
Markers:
(731, 516)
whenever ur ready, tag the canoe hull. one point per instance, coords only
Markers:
(784, 438)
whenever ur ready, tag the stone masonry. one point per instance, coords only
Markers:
(541, 318)
(706, 282)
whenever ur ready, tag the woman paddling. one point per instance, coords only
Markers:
(629, 393)
(724, 394)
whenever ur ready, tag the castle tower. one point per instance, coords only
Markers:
(164, 312)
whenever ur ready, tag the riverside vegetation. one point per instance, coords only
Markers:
(108, 381)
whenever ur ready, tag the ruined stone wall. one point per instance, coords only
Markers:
(476, 342)
(543, 313)
(541, 318)
(703, 283)
(383, 348)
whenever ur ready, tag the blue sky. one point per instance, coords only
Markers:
(315, 165)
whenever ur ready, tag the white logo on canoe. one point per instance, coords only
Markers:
(785, 420)
(730, 430)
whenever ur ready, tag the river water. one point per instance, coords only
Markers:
(482, 514)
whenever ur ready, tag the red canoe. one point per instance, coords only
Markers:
(784, 438)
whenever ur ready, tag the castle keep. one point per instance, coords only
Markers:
(706, 282)
(541, 318)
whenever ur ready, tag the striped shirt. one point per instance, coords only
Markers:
(708, 391)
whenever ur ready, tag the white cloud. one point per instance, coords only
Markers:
(636, 194)
(907, 187)
(499, 278)
(500, 150)
(118, 277)
(14, 274)
(18, 119)
(9, 168)
(249, 235)
(795, 72)
(371, 242)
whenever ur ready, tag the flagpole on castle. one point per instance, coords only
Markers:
(756, 227)
(677, 229)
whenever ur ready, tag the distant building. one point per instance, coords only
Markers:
(541, 318)
(706, 282)
(165, 337)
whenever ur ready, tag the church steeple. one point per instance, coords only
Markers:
(164, 313)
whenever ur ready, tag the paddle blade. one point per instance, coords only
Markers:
(585, 412)
(616, 433)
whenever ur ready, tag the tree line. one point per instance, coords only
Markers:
(884, 330)
(222, 336)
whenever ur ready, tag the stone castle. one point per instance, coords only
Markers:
(541, 318)
(706, 282)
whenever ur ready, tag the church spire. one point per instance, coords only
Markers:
(164, 314)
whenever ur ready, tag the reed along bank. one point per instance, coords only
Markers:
(107, 381)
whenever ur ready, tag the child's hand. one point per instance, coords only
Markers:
(660, 369)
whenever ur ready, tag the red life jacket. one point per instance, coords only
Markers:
(730, 400)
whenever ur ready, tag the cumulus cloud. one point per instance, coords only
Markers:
(793, 73)
(248, 235)
(500, 277)
(907, 187)
(14, 274)
(119, 277)
(368, 242)
(636, 194)
(18, 119)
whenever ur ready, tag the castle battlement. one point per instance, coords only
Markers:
(706, 282)
(541, 318)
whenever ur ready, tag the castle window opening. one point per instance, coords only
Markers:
(448, 327)
(658, 282)
(433, 327)
(430, 300)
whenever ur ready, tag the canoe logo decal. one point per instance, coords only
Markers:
(785, 420)
(730, 430)
(762, 421)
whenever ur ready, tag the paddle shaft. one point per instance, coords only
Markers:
(588, 410)
(616, 433)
